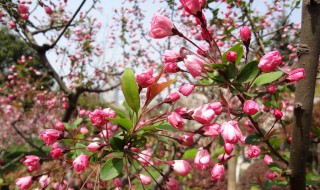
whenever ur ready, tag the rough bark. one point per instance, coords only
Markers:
(308, 52)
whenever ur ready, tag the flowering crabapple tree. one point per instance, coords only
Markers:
(133, 146)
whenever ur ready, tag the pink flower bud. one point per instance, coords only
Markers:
(217, 172)
(81, 163)
(181, 110)
(49, 136)
(55, 153)
(12, 24)
(160, 27)
(172, 184)
(270, 175)
(203, 114)
(59, 126)
(182, 167)
(23, 9)
(267, 159)
(171, 67)
(253, 152)
(48, 10)
(82, 113)
(217, 107)
(145, 157)
(211, 130)
(44, 181)
(192, 6)
(117, 182)
(186, 89)
(31, 160)
(249, 126)
(171, 56)
(231, 56)
(270, 61)
(228, 148)
(230, 132)
(93, 147)
(175, 120)
(277, 113)
(24, 183)
(271, 89)
(145, 180)
(145, 79)
(186, 139)
(173, 97)
(250, 107)
(296, 75)
(202, 159)
(245, 34)
(194, 65)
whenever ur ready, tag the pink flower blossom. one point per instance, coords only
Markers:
(145, 180)
(99, 117)
(176, 120)
(270, 175)
(48, 10)
(267, 159)
(173, 97)
(186, 89)
(202, 159)
(171, 56)
(59, 126)
(81, 163)
(31, 160)
(182, 167)
(194, 65)
(193, 7)
(211, 130)
(161, 27)
(245, 34)
(250, 107)
(24, 182)
(44, 181)
(296, 75)
(270, 61)
(171, 67)
(117, 182)
(277, 113)
(49, 136)
(172, 184)
(217, 172)
(93, 147)
(228, 147)
(230, 132)
(186, 139)
(203, 114)
(145, 79)
(231, 56)
(253, 152)
(55, 153)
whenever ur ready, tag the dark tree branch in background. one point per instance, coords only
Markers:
(67, 26)
(308, 53)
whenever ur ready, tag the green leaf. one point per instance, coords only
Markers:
(139, 142)
(267, 184)
(81, 148)
(124, 123)
(111, 169)
(267, 78)
(236, 48)
(116, 143)
(275, 142)
(166, 126)
(248, 72)
(206, 81)
(252, 139)
(77, 121)
(189, 154)
(275, 167)
(217, 77)
(130, 90)
(231, 71)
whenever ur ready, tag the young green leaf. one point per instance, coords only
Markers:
(111, 169)
(130, 90)
(267, 78)
(124, 123)
(248, 72)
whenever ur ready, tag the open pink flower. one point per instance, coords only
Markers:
(203, 114)
(24, 183)
(31, 160)
(253, 152)
(161, 27)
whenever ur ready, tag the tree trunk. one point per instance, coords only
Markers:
(232, 183)
(308, 52)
